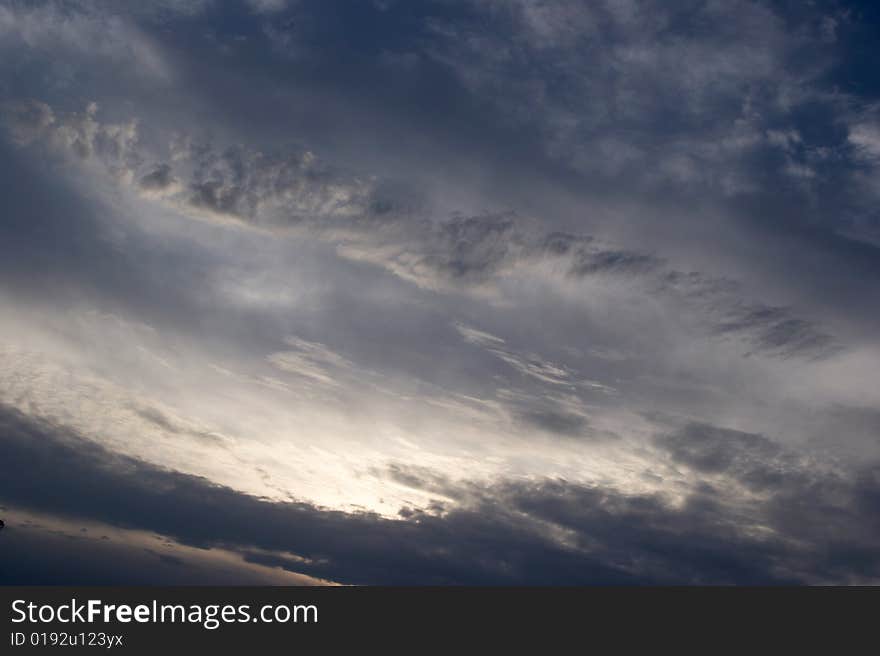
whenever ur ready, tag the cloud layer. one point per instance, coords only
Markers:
(443, 292)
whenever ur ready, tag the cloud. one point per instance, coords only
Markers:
(773, 330)
(749, 458)
(80, 31)
(766, 329)
(547, 531)
(512, 291)
(40, 549)
(295, 190)
(311, 360)
(267, 6)
(27, 120)
(865, 138)
(561, 422)
(159, 182)
(614, 65)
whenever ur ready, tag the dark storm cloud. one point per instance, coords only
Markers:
(834, 511)
(750, 458)
(598, 535)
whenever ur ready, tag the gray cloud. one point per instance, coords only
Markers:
(158, 181)
(555, 421)
(27, 120)
(750, 458)
(369, 223)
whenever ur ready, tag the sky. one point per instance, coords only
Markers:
(476, 292)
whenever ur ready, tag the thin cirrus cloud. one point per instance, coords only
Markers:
(527, 292)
